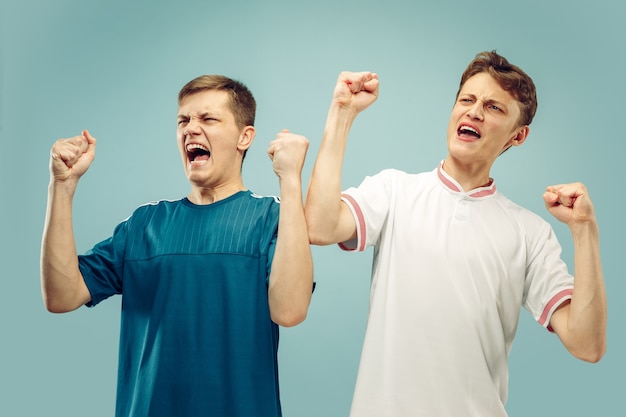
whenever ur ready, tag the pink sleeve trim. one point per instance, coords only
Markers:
(360, 225)
(558, 299)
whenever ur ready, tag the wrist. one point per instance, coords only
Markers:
(340, 120)
(585, 230)
(343, 113)
(290, 184)
(61, 187)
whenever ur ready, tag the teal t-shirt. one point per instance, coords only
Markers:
(196, 335)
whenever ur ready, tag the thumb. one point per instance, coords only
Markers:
(88, 136)
(89, 144)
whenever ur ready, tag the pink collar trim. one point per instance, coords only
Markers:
(452, 185)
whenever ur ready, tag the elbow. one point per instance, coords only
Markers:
(318, 236)
(290, 314)
(319, 231)
(59, 297)
(592, 353)
(290, 318)
(591, 358)
(50, 304)
(56, 308)
(58, 305)
(316, 239)
(314, 235)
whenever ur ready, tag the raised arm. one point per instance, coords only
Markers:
(62, 284)
(291, 277)
(329, 220)
(581, 323)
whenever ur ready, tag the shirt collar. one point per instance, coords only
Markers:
(451, 184)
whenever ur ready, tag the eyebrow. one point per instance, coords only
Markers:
(488, 101)
(200, 116)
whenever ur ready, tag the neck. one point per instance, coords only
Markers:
(203, 195)
(469, 175)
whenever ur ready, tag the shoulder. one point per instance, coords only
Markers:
(262, 205)
(525, 218)
(393, 175)
(157, 205)
(264, 199)
(152, 208)
(394, 180)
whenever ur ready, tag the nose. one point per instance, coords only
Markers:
(476, 111)
(192, 128)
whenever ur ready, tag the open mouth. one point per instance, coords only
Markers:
(197, 153)
(467, 132)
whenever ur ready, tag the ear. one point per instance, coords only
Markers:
(246, 138)
(520, 136)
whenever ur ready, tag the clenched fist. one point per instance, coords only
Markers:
(71, 157)
(287, 153)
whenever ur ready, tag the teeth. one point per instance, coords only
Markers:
(469, 129)
(192, 146)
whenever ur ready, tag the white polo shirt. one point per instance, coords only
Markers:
(451, 270)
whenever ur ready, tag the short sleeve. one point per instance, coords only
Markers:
(370, 205)
(548, 282)
(102, 266)
(271, 234)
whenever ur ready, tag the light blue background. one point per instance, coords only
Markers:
(115, 67)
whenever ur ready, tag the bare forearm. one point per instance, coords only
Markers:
(588, 308)
(291, 280)
(61, 281)
(581, 324)
(323, 199)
